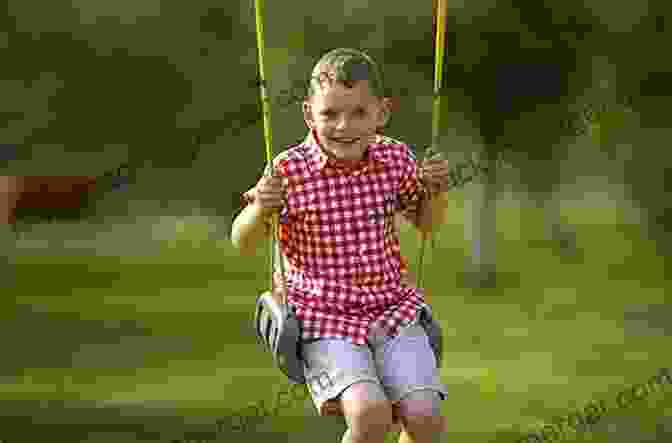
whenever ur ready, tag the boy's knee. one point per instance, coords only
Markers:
(420, 414)
(370, 421)
(430, 425)
(368, 416)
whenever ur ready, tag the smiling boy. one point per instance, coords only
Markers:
(338, 193)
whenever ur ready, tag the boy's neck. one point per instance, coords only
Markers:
(344, 162)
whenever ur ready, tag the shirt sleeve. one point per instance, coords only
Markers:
(411, 189)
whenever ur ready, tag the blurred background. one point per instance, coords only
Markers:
(129, 130)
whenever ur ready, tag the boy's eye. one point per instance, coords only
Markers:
(328, 113)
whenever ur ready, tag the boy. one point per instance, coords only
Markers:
(338, 193)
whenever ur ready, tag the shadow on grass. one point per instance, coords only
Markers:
(66, 421)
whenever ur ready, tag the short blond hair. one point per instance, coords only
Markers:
(346, 66)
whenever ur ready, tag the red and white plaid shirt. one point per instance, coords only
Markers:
(337, 234)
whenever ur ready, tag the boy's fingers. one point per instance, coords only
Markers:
(272, 204)
(436, 169)
(436, 163)
(271, 198)
(272, 187)
(272, 194)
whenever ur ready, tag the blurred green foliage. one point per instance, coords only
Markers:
(167, 86)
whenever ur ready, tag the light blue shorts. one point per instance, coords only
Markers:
(399, 365)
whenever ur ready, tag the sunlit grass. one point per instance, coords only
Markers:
(515, 356)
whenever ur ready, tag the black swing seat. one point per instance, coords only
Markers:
(434, 333)
(279, 331)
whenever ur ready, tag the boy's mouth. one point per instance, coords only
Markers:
(344, 140)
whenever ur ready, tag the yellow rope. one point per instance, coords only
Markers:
(441, 11)
(266, 110)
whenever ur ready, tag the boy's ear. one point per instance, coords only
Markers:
(308, 115)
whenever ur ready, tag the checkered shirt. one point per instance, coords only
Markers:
(344, 268)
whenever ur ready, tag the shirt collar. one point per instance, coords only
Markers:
(320, 159)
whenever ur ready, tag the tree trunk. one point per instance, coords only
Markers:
(481, 224)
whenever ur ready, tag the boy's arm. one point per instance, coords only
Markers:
(424, 213)
(431, 214)
(249, 227)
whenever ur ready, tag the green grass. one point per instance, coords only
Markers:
(175, 329)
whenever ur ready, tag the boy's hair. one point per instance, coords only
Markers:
(346, 66)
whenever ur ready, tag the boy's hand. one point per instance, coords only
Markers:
(269, 195)
(435, 173)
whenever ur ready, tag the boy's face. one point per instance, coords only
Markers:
(345, 118)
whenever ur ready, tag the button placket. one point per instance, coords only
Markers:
(356, 257)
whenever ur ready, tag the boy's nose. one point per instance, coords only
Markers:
(343, 123)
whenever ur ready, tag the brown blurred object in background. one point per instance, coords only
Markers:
(41, 192)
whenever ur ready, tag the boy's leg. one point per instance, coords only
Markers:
(341, 374)
(367, 413)
(420, 414)
(408, 372)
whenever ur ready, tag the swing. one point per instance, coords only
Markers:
(277, 328)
